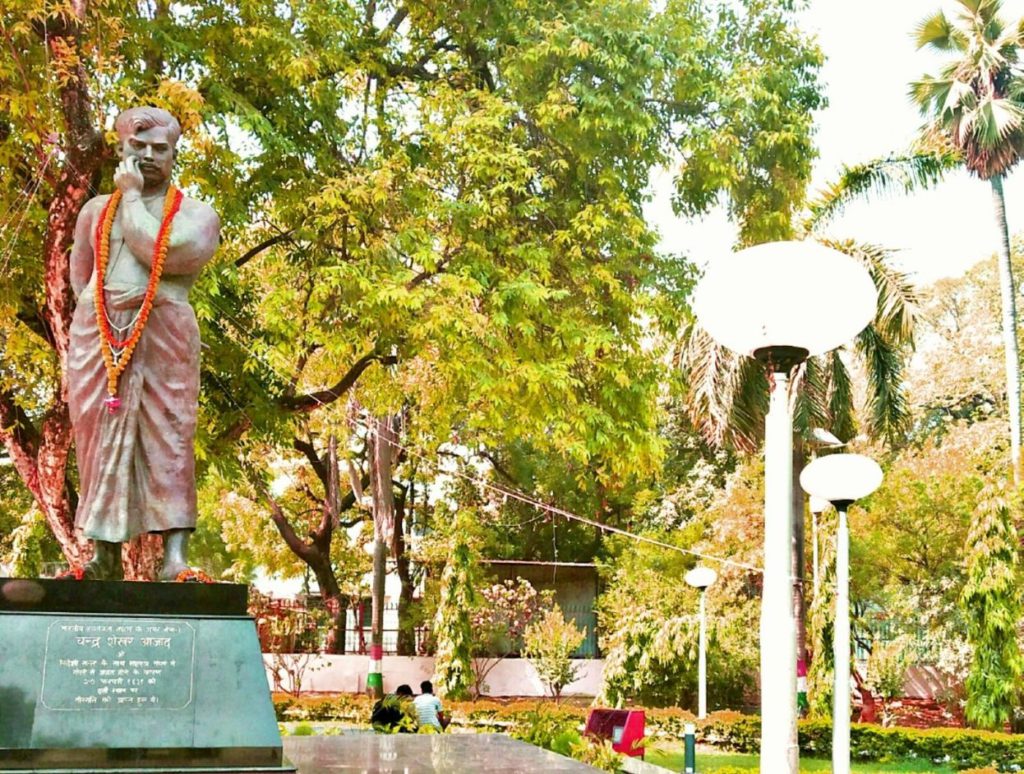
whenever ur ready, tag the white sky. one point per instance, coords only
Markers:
(871, 59)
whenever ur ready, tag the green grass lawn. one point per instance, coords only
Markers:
(672, 758)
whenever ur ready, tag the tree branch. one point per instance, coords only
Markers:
(298, 546)
(313, 400)
(307, 448)
(284, 236)
(20, 437)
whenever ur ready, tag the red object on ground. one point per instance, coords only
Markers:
(625, 729)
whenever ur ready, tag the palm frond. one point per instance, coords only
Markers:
(898, 301)
(998, 119)
(887, 401)
(895, 173)
(811, 408)
(927, 91)
(840, 396)
(939, 33)
(749, 405)
(726, 398)
(959, 95)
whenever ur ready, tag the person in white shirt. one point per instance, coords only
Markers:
(428, 707)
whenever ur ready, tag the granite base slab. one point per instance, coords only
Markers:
(101, 676)
(424, 754)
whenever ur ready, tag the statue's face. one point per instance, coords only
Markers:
(155, 152)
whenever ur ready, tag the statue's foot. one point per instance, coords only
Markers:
(105, 563)
(175, 551)
(98, 568)
(171, 570)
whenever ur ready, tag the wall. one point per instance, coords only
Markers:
(347, 674)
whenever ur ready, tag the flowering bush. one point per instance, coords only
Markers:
(499, 622)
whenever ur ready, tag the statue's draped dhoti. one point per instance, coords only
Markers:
(137, 465)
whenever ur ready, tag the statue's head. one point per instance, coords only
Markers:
(149, 134)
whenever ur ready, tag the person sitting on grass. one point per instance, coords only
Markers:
(428, 709)
(395, 714)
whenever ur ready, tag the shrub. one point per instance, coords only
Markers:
(550, 643)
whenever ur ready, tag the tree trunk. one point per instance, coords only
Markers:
(382, 451)
(406, 644)
(1006, 287)
(142, 557)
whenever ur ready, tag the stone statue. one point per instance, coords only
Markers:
(133, 359)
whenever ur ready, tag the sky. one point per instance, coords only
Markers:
(871, 59)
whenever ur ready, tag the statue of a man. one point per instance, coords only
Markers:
(133, 360)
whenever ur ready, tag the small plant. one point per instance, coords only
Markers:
(598, 754)
(550, 643)
(887, 666)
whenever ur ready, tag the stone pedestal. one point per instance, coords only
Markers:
(132, 677)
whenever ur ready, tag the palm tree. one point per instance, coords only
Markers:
(976, 103)
(975, 112)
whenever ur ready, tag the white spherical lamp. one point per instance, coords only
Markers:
(841, 477)
(791, 295)
(701, 577)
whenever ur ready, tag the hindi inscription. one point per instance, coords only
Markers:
(118, 664)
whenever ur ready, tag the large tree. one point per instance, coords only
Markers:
(434, 209)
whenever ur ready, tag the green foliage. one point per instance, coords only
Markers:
(27, 545)
(453, 628)
(408, 720)
(992, 605)
(500, 619)
(649, 627)
(452, 190)
(821, 622)
(955, 747)
(887, 668)
(548, 728)
(549, 645)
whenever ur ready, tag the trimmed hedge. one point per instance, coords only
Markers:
(959, 748)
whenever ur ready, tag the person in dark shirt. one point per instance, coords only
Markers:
(395, 714)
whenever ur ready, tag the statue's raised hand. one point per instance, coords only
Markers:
(128, 176)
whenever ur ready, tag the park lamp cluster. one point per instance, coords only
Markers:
(781, 303)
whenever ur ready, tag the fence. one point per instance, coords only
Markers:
(293, 627)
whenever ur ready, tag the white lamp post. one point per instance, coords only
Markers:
(700, 578)
(780, 303)
(841, 479)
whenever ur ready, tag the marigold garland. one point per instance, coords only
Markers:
(109, 343)
(189, 575)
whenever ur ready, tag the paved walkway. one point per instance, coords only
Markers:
(423, 754)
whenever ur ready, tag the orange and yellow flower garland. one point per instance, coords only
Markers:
(108, 341)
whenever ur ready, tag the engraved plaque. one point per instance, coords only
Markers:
(94, 663)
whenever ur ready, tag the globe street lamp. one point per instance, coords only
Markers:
(758, 302)
(841, 479)
(700, 578)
